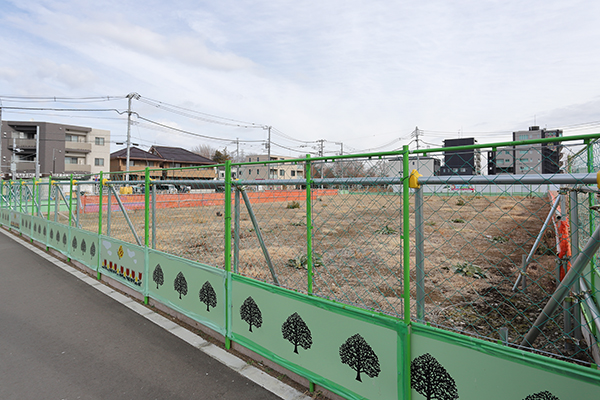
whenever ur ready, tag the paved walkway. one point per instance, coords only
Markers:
(63, 337)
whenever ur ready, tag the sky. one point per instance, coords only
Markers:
(359, 74)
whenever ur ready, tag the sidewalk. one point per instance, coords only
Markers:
(66, 336)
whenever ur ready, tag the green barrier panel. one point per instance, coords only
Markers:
(5, 217)
(15, 220)
(350, 352)
(84, 247)
(193, 289)
(122, 261)
(58, 237)
(40, 229)
(450, 365)
(26, 227)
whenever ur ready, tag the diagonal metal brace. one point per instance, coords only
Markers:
(258, 234)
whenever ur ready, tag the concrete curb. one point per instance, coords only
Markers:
(240, 366)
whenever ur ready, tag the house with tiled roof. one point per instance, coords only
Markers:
(177, 157)
(162, 157)
(138, 161)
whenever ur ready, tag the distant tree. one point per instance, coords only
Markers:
(158, 277)
(83, 246)
(180, 285)
(64, 239)
(250, 313)
(208, 296)
(74, 243)
(545, 395)
(358, 355)
(204, 150)
(296, 331)
(430, 379)
(220, 157)
(93, 249)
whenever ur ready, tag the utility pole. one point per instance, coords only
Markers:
(129, 97)
(37, 152)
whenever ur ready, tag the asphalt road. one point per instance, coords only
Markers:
(62, 339)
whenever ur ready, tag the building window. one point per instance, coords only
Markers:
(257, 171)
(281, 172)
(131, 163)
(249, 172)
(99, 142)
(75, 138)
(71, 160)
(293, 173)
(176, 165)
(99, 162)
(523, 151)
(523, 137)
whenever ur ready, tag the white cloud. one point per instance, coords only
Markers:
(339, 70)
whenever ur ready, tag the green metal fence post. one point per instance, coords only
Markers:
(71, 200)
(227, 232)
(309, 249)
(100, 185)
(591, 200)
(405, 367)
(146, 229)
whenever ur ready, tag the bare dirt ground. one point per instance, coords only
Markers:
(473, 249)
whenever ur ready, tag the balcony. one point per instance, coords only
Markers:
(78, 147)
(22, 144)
(83, 168)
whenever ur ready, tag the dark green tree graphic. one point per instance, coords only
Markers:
(93, 249)
(64, 239)
(44, 231)
(430, 379)
(157, 276)
(545, 395)
(250, 313)
(74, 243)
(208, 296)
(358, 355)
(51, 234)
(83, 246)
(180, 284)
(295, 330)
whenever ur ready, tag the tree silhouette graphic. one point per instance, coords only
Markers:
(545, 395)
(44, 231)
(93, 249)
(208, 296)
(51, 234)
(180, 284)
(295, 330)
(358, 355)
(430, 379)
(74, 243)
(83, 246)
(157, 276)
(250, 313)
(64, 239)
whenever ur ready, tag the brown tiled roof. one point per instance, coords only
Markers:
(177, 154)
(134, 154)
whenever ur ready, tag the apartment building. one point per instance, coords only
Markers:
(461, 162)
(270, 171)
(426, 166)
(539, 158)
(62, 149)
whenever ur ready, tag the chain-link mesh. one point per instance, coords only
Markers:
(480, 239)
(486, 252)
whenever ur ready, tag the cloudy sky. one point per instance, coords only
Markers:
(363, 73)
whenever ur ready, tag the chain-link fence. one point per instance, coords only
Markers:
(493, 230)
(491, 250)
